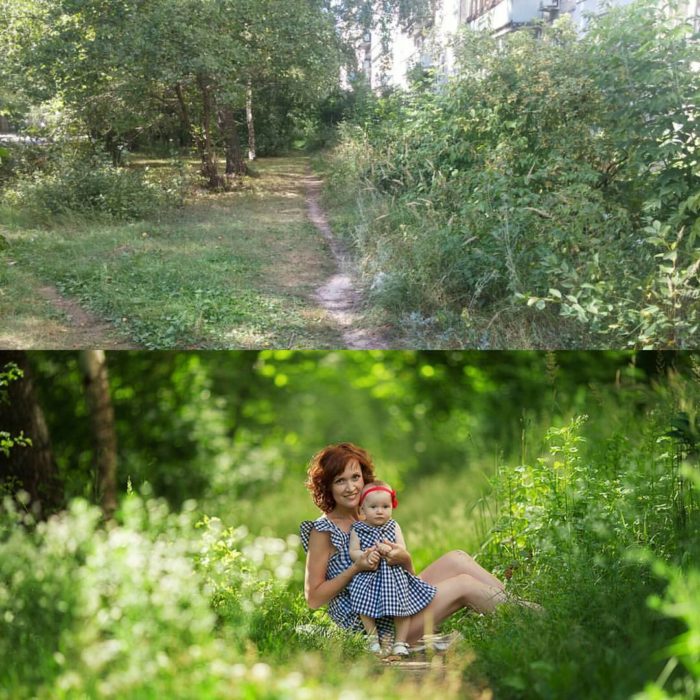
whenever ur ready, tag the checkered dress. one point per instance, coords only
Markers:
(339, 608)
(390, 591)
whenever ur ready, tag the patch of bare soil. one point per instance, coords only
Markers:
(83, 329)
(339, 294)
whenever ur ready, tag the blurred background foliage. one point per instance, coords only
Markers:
(227, 428)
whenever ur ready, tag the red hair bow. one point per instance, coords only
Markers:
(391, 492)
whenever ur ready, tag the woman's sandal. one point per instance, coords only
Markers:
(400, 649)
(437, 642)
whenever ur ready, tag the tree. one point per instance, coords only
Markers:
(125, 68)
(94, 367)
(32, 467)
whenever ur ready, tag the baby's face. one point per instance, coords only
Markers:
(377, 507)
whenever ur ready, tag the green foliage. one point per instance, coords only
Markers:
(10, 373)
(255, 590)
(232, 428)
(78, 601)
(89, 189)
(679, 601)
(534, 176)
(163, 603)
(124, 76)
(568, 527)
(151, 607)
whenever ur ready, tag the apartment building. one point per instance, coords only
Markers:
(433, 48)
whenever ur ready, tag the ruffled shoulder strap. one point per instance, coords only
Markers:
(322, 524)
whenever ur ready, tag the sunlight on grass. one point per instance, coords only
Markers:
(236, 269)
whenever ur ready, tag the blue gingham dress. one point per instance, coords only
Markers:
(390, 591)
(339, 608)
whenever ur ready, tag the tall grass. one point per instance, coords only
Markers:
(577, 529)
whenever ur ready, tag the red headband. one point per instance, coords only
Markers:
(394, 502)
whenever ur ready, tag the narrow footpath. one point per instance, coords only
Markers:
(339, 294)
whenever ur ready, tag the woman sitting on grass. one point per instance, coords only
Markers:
(336, 477)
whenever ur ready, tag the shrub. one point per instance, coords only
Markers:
(86, 188)
(533, 176)
(149, 607)
(569, 528)
(100, 611)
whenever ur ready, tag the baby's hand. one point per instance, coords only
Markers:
(383, 548)
(373, 557)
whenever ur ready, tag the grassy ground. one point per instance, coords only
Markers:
(231, 270)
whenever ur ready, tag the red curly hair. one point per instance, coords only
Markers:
(327, 464)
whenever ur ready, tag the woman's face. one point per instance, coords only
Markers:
(347, 486)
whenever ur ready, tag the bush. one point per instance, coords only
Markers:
(86, 188)
(100, 611)
(570, 529)
(149, 607)
(555, 171)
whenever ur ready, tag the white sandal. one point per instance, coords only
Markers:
(400, 649)
(373, 644)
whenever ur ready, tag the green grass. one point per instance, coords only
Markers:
(229, 270)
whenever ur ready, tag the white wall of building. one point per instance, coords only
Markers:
(504, 16)
(509, 13)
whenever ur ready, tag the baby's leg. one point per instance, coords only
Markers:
(369, 624)
(401, 627)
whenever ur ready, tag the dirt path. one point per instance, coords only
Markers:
(339, 294)
(86, 330)
(238, 270)
(71, 328)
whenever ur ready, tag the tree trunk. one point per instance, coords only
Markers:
(31, 468)
(204, 138)
(94, 367)
(249, 120)
(113, 148)
(234, 155)
(184, 114)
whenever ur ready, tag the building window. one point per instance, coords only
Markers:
(477, 8)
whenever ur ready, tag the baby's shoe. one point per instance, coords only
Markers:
(400, 649)
(373, 644)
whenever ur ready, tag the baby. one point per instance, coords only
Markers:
(389, 591)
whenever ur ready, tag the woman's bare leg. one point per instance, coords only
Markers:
(455, 563)
(453, 594)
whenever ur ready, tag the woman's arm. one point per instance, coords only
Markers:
(317, 590)
(355, 547)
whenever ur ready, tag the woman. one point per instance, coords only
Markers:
(336, 477)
